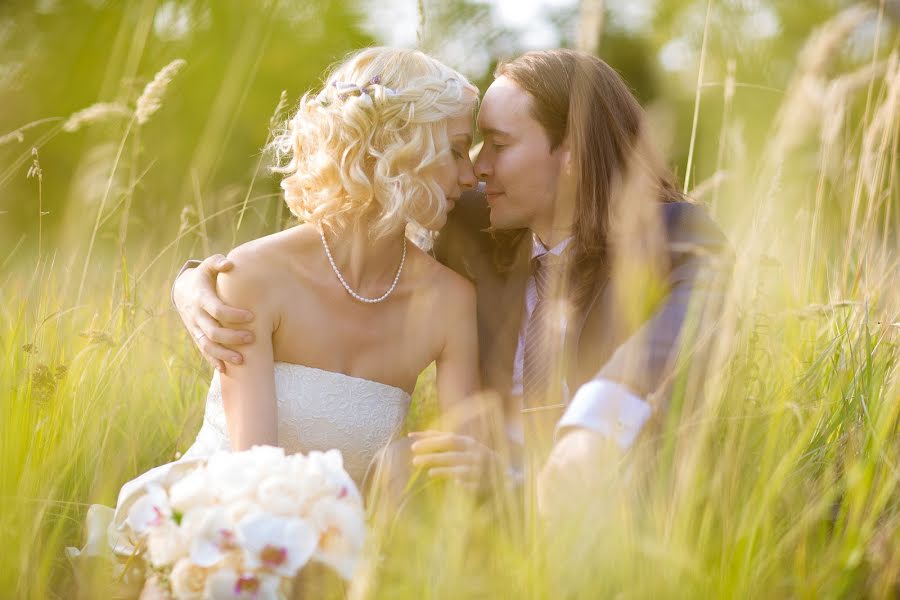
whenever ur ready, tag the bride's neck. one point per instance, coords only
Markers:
(366, 264)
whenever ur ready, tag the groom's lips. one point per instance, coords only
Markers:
(492, 196)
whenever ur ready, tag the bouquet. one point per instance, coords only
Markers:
(243, 524)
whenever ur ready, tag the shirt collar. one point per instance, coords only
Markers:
(538, 248)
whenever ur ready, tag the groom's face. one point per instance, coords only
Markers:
(516, 162)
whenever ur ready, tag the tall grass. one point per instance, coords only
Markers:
(775, 474)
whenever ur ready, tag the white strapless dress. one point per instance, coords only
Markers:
(317, 410)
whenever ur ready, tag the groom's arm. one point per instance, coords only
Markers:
(614, 402)
(195, 297)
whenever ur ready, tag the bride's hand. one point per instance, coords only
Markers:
(202, 312)
(454, 456)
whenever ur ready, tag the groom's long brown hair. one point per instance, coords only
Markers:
(579, 98)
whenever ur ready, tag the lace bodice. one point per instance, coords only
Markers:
(318, 410)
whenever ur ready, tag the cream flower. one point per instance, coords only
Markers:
(237, 474)
(188, 580)
(193, 490)
(283, 496)
(280, 545)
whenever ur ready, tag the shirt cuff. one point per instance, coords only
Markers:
(607, 408)
(191, 264)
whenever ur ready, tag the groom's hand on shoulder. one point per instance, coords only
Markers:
(203, 312)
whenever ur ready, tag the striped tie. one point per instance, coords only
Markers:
(542, 335)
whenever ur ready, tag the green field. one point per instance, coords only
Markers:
(775, 474)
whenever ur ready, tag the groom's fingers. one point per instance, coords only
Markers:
(441, 442)
(223, 335)
(207, 340)
(446, 459)
(457, 472)
(223, 313)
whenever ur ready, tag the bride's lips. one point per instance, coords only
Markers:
(451, 203)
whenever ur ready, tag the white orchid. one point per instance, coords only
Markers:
(166, 544)
(211, 534)
(325, 476)
(277, 544)
(150, 510)
(227, 584)
(244, 523)
(342, 530)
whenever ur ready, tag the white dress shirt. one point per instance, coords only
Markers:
(599, 405)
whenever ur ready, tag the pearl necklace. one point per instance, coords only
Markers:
(347, 287)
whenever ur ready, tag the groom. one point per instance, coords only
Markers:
(585, 259)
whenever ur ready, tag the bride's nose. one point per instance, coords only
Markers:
(467, 180)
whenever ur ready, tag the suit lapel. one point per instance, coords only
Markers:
(574, 334)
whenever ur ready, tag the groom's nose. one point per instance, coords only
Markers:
(483, 168)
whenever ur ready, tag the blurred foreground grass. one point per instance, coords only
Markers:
(776, 475)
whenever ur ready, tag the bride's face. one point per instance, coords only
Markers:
(455, 173)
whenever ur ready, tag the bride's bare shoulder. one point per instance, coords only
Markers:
(263, 264)
(276, 248)
(449, 287)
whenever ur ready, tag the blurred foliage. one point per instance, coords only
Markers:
(785, 485)
(200, 152)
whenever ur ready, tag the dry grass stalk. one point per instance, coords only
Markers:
(877, 134)
(590, 25)
(708, 185)
(804, 103)
(12, 136)
(151, 98)
(95, 113)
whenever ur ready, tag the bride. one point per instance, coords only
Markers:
(346, 312)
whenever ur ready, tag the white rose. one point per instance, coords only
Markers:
(193, 490)
(238, 509)
(236, 475)
(188, 580)
(283, 496)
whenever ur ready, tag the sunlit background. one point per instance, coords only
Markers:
(781, 117)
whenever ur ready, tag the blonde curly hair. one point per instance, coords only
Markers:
(362, 147)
